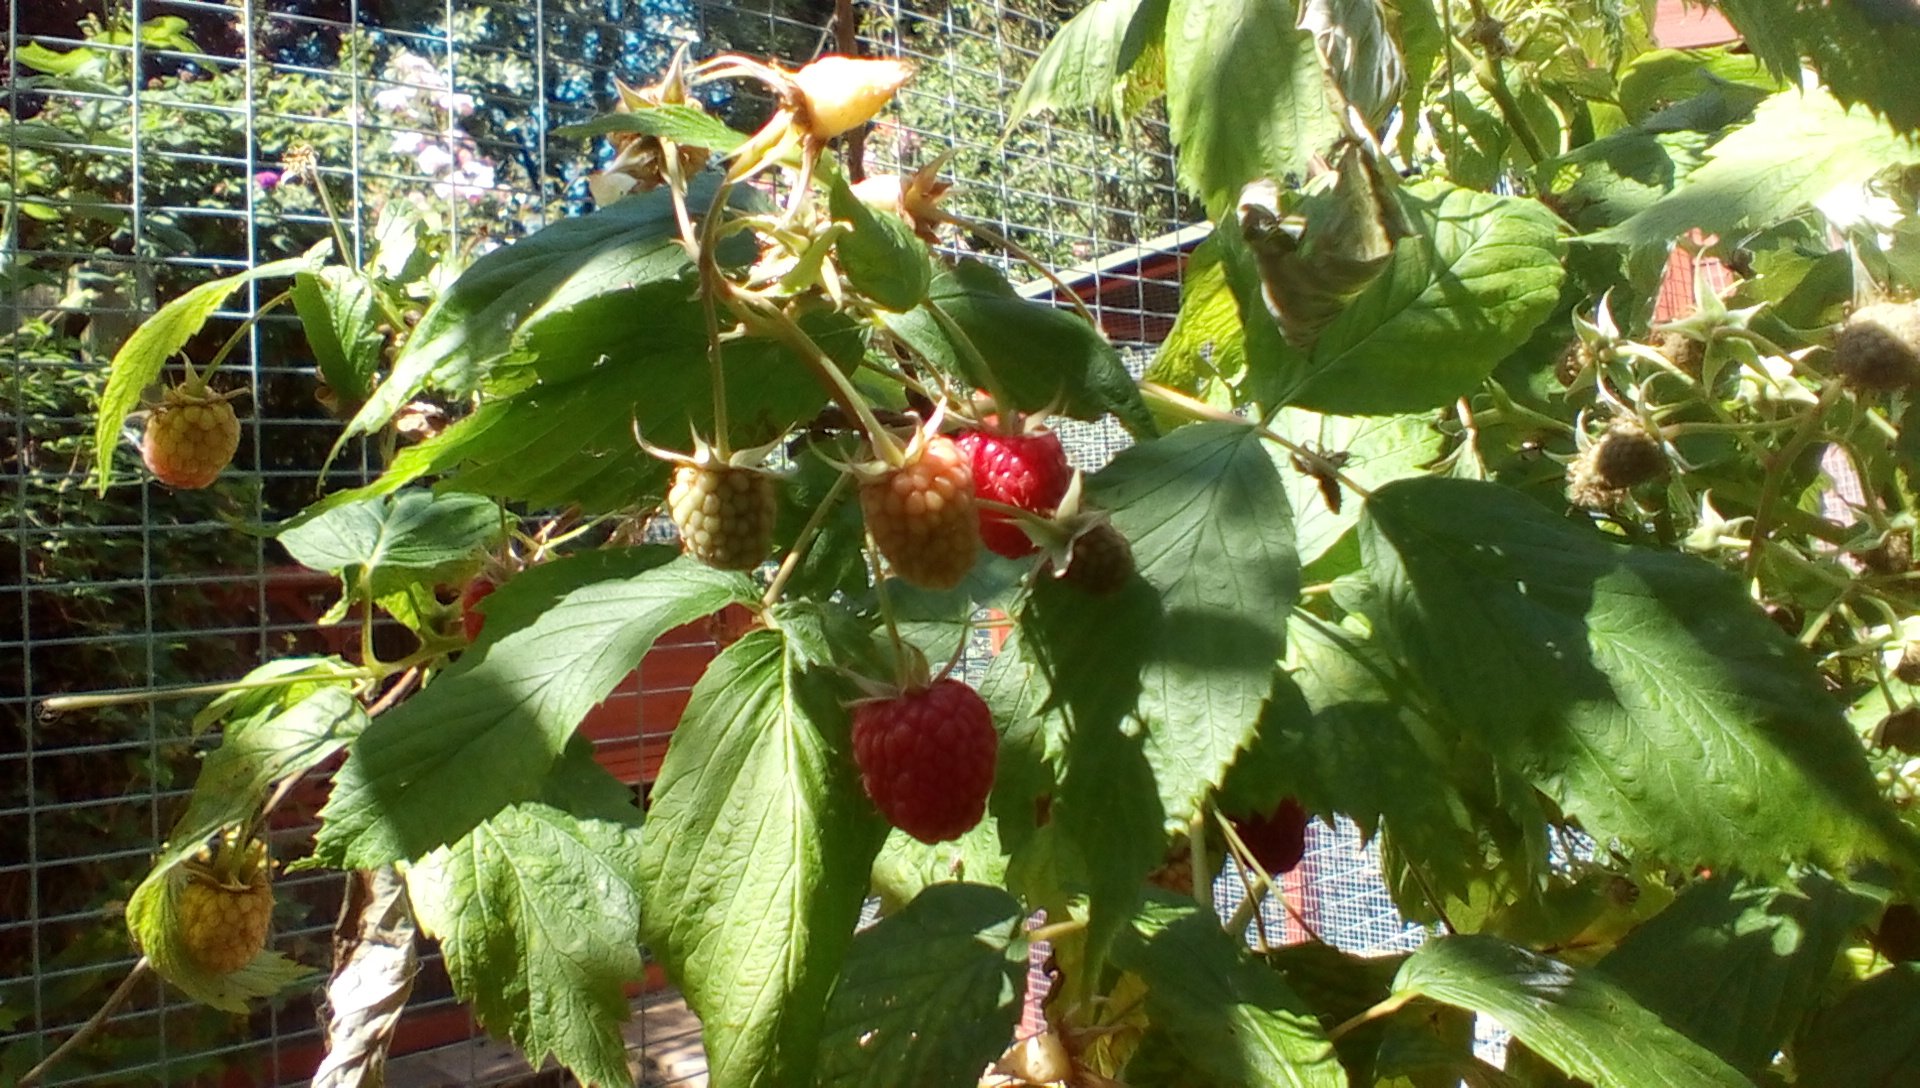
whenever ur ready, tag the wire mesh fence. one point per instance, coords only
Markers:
(147, 145)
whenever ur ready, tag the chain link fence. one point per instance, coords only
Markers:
(146, 145)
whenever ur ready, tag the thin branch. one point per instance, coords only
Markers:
(93, 1025)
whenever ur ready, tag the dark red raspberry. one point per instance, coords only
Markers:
(1101, 561)
(926, 758)
(1029, 471)
(472, 620)
(1277, 840)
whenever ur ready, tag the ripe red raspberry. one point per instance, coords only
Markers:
(1277, 840)
(191, 436)
(922, 516)
(472, 620)
(1029, 471)
(926, 758)
(1101, 562)
(724, 514)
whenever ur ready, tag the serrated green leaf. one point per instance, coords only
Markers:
(1042, 356)
(380, 546)
(882, 257)
(1616, 177)
(1206, 513)
(1642, 691)
(1582, 1023)
(569, 439)
(687, 125)
(1084, 63)
(1469, 288)
(929, 996)
(1748, 182)
(1235, 1019)
(537, 911)
(140, 360)
(1205, 354)
(572, 293)
(1869, 1038)
(1735, 965)
(340, 313)
(1374, 451)
(1662, 78)
(559, 638)
(756, 852)
(1245, 96)
(906, 866)
(1863, 51)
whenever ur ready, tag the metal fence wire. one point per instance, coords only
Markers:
(145, 152)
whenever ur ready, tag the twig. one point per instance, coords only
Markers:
(93, 1025)
(804, 542)
(1374, 1012)
(1777, 468)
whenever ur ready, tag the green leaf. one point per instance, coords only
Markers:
(1616, 177)
(140, 360)
(570, 294)
(1205, 354)
(689, 126)
(1583, 1024)
(55, 63)
(1453, 301)
(559, 638)
(1042, 356)
(1870, 1038)
(1377, 450)
(1233, 1018)
(1083, 65)
(1245, 96)
(1206, 513)
(757, 848)
(569, 439)
(1662, 78)
(1749, 182)
(266, 746)
(1863, 51)
(382, 545)
(929, 996)
(537, 912)
(1735, 965)
(882, 257)
(1643, 691)
(340, 311)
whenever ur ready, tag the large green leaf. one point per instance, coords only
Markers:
(1470, 287)
(1083, 65)
(1619, 176)
(570, 440)
(1735, 965)
(1373, 451)
(929, 996)
(559, 637)
(1234, 1018)
(1798, 147)
(1207, 516)
(384, 544)
(1042, 356)
(1863, 49)
(1245, 96)
(1870, 1038)
(687, 125)
(537, 912)
(577, 291)
(1205, 353)
(1642, 690)
(1584, 1025)
(757, 848)
(140, 360)
(340, 313)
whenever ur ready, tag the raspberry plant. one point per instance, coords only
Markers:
(1629, 720)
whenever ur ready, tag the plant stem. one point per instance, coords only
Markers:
(1197, 853)
(1018, 253)
(1196, 409)
(1056, 930)
(710, 285)
(804, 542)
(1777, 468)
(1003, 405)
(93, 1025)
(771, 319)
(246, 326)
(1380, 1009)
